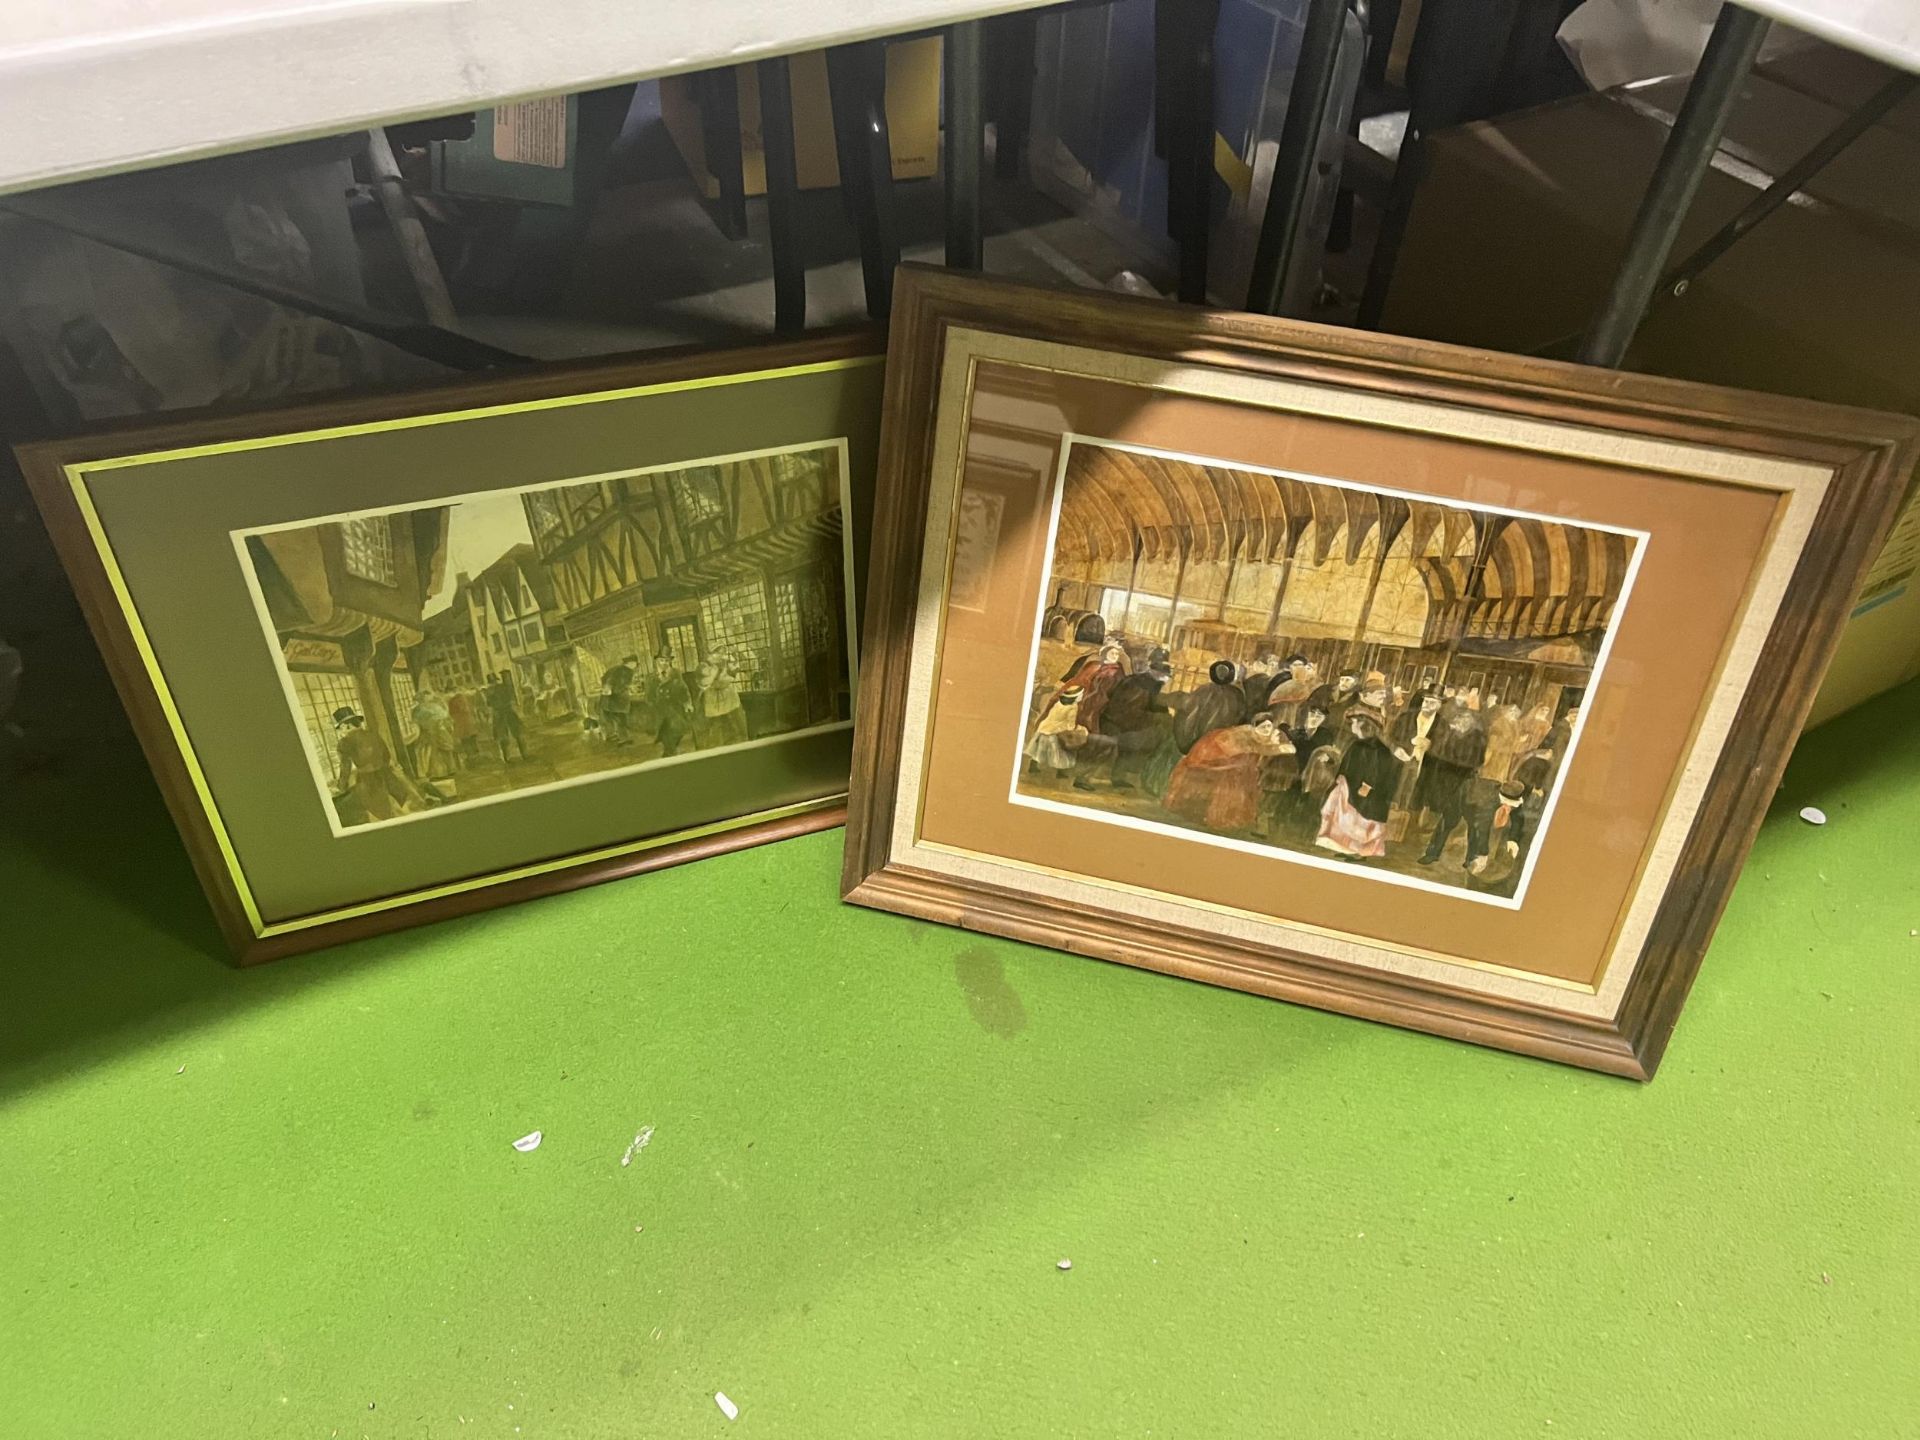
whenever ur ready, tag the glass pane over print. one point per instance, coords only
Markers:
(1343, 675)
(510, 642)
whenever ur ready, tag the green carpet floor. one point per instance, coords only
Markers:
(285, 1202)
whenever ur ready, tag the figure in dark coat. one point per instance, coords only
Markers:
(671, 700)
(1313, 731)
(616, 705)
(1279, 785)
(1411, 735)
(1459, 748)
(1316, 779)
(1535, 772)
(1500, 826)
(367, 771)
(1214, 706)
(1336, 699)
(1256, 682)
(1133, 724)
(507, 728)
(1560, 738)
(1353, 821)
(1375, 695)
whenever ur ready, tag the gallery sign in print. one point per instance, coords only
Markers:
(1340, 675)
(515, 641)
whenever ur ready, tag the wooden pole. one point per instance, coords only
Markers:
(1280, 595)
(1133, 581)
(1373, 589)
(1173, 605)
(1233, 563)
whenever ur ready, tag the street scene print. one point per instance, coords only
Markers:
(1343, 676)
(503, 643)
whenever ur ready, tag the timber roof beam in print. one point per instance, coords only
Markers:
(786, 546)
(1121, 506)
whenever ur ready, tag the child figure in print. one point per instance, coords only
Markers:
(1058, 735)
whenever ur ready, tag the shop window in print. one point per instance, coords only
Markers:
(368, 547)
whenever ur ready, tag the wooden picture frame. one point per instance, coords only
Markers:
(990, 389)
(641, 433)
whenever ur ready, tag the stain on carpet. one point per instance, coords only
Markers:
(995, 1005)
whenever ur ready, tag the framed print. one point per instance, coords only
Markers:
(1432, 686)
(400, 658)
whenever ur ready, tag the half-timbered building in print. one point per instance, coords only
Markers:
(345, 600)
(519, 631)
(736, 563)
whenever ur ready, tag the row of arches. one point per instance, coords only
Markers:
(1192, 528)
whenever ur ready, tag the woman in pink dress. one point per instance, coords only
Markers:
(1353, 821)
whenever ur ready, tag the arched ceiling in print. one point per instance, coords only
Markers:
(1117, 500)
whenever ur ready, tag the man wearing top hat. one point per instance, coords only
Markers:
(1458, 750)
(366, 769)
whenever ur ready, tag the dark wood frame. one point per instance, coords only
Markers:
(1872, 456)
(44, 465)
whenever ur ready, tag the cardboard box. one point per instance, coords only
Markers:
(524, 153)
(1520, 222)
(913, 119)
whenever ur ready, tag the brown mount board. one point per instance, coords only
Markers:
(1860, 458)
(46, 465)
